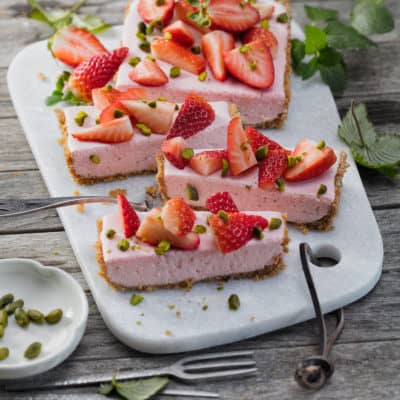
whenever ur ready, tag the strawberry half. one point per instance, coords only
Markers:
(252, 64)
(132, 94)
(240, 154)
(95, 72)
(73, 45)
(103, 97)
(153, 231)
(129, 220)
(115, 131)
(267, 36)
(148, 73)
(207, 162)
(257, 139)
(113, 111)
(314, 161)
(178, 217)
(151, 10)
(237, 231)
(158, 119)
(194, 115)
(183, 11)
(180, 32)
(221, 201)
(232, 15)
(213, 45)
(272, 168)
(174, 53)
(172, 150)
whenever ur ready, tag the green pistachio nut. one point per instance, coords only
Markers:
(33, 350)
(53, 317)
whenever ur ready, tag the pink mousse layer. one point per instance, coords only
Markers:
(142, 267)
(137, 154)
(299, 200)
(255, 105)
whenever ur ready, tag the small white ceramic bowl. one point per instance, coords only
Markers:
(45, 289)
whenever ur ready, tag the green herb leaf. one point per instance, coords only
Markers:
(380, 152)
(329, 56)
(106, 389)
(141, 389)
(320, 14)
(307, 70)
(370, 17)
(298, 51)
(341, 36)
(315, 39)
(90, 22)
(334, 76)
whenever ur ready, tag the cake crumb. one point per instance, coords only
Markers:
(115, 192)
(61, 141)
(168, 332)
(152, 191)
(76, 193)
(41, 76)
(252, 318)
(109, 251)
(80, 208)
(178, 314)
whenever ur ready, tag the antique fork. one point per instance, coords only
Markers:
(15, 207)
(189, 369)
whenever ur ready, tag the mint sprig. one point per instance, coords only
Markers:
(320, 49)
(59, 94)
(370, 149)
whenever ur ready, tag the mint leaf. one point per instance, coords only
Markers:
(380, 152)
(315, 39)
(329, 56)
(106, 389)
(379, 2)
(320, 14)
(307, 70)
(369, 18)
(341, 36)
(90, 22)
(334, 76)
(141, 389)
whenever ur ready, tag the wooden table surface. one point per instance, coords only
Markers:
(368, 353)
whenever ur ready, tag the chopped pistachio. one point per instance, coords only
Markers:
(152, 104)
(176, 107)
(110, 233)
(162, 99)
(123, 245)
(223, 216)
(322, 189)
(174, 72)
(94, 158)
(234, 302)
(118, 113)
(274, 223)
(258, 233)
(202, 76)
(171, 306)
(162, 247)
(144, 129)
(109, 87)
(225, 167)
(136, 299)
(160, 2)
(283, 18)
(80, 118)
(4, 353)
(150, 58)
(145, 46)
(252, 1)
(196, 50)
(248, 187)
(150, 29)
(200, 229)
(141, 27)
(192, 193)
(141, 35)
(134, 61)
(220, 288)
(265, 24)
(168, 35)
(253, 65)
(242, 3)
(292, 161)
(138, 323)
(281, 184)
(321, 145)
(261, 152)
(205, 307)
(244, 49)
(97, 120)
(187, 153)
(243, 146)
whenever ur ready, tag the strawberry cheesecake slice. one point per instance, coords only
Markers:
(175, 246)
(226, 50)
(121, 134)
(260, 175)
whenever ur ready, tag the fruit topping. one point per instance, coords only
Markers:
(173, 150)
(214, 44)
(129, 220)
(194, 16)
(115, 131)
(94, 73)
(314, 161)
(178, 217)
(252, 64)
(174, 53)
(73, 45)
(240, 154)
(113, 111)
(148, 73)
(207, 162)
(156, 10)
(272, 168)
(267, 36)
(194, 116)
(103, 97)
(232, 15)
(180, 32)
(257, 140)
(221, 201)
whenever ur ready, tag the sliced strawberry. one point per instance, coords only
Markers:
(252, 64)
(95, 72)
(103, 97)
(132, 94)
(178, 217)
(314, 161)
(207, 162)
(194, 115)
(115, 131)
(272, 168)
(73, 45)
(173, 149)
(221, 201)
(152, 231)
(180, 32)
(183, 11)
(234, 233)
(267, 36)
(148, 73)
(113, 111)
(265, 10)
(240, 154)
(213, 45)
(151, 10)
(232, 15)
(158, 119)
(173, 53)
(129, 219)
(257, 139)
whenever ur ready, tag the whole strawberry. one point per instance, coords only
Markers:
(94, 73)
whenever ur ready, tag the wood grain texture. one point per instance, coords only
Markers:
(368, 354)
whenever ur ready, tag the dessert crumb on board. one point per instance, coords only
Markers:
(152, 191)
(115, 192)
(168, 332)
(41, 76)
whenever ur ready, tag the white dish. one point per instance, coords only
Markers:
(266, 305)
(45, 289)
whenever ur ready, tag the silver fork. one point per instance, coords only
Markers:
(189, 369)
(15, 207)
